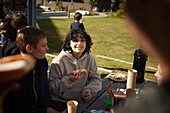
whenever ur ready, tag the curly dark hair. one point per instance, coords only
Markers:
(74, 34)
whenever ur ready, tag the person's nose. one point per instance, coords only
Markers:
(156, 74)
(79, 42)
(47, 48)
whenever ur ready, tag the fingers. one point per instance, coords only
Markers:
(87, 95)
(76, 76)
(88, 98)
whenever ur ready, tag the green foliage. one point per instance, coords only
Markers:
(120, 11)
(93, 13)
(112, 14)
(61, 7)
(116, 4)
(93, 2)
(39, 4)
(57, 8)
(82, 8)
(66, 8)
(72, 11)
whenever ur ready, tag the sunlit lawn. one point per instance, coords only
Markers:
(110, 37)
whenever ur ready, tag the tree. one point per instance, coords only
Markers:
(93, 3)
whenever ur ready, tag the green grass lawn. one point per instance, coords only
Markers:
(110, 36)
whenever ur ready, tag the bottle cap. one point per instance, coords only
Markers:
(108, 103)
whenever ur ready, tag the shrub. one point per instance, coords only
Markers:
(91, 13)
(72, 11)
(112, 14)
(120, 11)
(39, 4)
(66, 8)
(61, 7)
(82, 8)
(57, 8)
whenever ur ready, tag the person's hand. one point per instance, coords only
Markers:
(76, 76)
(81, 21)
(87, 95)
(4, 89)
(51, 110)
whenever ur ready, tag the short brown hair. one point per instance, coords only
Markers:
(29, 35)
(19, 21)
(77, 16)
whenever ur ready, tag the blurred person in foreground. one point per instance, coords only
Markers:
(4, 89)
(74, 56)
(159, 75)
(151, 31)
(33, 95)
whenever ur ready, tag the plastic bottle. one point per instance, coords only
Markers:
(107, 105)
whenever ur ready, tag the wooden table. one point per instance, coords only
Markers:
(97, 103)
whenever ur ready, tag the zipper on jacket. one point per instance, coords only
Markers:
(34, 86)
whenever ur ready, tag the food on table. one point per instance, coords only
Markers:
(120, 94)
(82, 70)
(117, 76)
(14, 67)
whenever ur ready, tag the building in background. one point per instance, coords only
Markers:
(84, 4)
(102, 5)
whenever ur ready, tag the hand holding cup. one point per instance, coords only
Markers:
(87, 95)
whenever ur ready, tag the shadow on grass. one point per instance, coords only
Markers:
(53, 36)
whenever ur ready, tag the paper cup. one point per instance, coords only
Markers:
(131, 79)
(72, 106)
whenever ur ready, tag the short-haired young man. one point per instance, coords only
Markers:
(33, 95)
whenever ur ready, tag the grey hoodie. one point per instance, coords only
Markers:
(62, 88)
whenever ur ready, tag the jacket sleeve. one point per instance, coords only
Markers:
(70, 26)
(81, 26)
(58, 82)
(94, 83)
(16, 100)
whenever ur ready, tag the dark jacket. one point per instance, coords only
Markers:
(9, 48)
(77, 25)
(33, 95)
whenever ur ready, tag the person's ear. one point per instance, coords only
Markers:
(29, 48)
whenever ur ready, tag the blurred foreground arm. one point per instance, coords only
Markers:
(4, 89)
